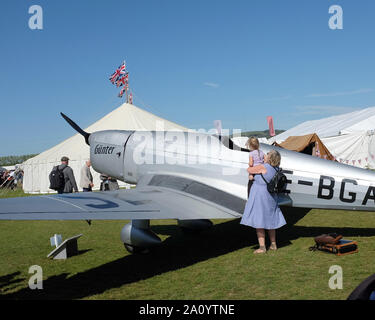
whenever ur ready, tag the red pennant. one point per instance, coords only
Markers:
(270, 125)
(130, 98)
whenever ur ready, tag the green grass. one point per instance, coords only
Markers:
(8, 193)
(216, 264)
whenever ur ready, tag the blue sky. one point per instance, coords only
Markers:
(191, 62)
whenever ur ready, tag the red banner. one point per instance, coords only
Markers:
(270, 126)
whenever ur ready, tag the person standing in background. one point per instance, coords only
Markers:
(86, 177)
(70, 182)
(108, 183)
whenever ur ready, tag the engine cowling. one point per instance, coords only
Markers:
(107, 149)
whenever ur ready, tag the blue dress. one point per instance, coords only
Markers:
(261, 210)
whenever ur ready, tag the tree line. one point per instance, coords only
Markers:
(13, 160)
(260, 134)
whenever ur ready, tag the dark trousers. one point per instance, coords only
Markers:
(87, 189)
(249, 184)
(104, 186)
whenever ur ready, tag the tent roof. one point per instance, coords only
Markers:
(299, 143)
(360, 120)
(125, 117)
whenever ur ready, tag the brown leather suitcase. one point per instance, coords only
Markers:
(331, 238)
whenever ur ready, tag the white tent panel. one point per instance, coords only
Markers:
(356, 148)
(125, 117)
(361, 120)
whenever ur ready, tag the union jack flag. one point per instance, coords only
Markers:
(123, 90)
(122, 80)
(119, 71)
(130, 98)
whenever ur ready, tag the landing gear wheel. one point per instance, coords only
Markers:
(136, 250)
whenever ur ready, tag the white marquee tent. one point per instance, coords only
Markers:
(350, 137)
(357, 121)
(356, 148)
(125, 117)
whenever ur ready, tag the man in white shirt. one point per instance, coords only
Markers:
(86, 177)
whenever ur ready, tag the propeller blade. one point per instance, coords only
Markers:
(77, 128)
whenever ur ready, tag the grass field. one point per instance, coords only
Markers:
(216, 264)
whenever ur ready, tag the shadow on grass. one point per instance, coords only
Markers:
(177, 251)
(9, 279)
(82, 252)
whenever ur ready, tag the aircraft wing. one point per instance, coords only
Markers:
(155, 197)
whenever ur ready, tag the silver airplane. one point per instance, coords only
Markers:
(191, 177)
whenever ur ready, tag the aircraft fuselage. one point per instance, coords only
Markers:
(312, 182)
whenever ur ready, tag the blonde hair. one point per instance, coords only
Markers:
(274, 158)
(252, 143)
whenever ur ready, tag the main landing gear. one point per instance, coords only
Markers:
(139, 238)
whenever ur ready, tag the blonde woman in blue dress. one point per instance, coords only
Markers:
(261, 210)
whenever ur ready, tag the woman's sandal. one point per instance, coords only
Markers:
(260, 250)
(273, 247)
